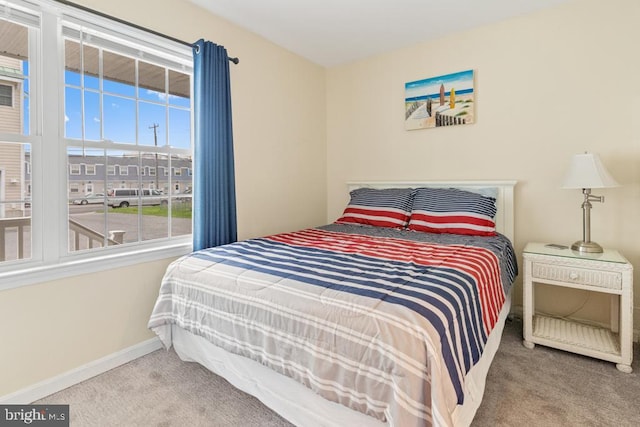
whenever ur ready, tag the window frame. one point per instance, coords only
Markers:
(50, 257)
(9, 96)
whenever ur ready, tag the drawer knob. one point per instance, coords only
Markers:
(573, 275)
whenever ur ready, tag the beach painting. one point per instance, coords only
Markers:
(446, 100)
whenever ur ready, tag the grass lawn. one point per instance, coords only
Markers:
(179, 210)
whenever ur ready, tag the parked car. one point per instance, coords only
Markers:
(125, 197)
(186, 196)
(89, 198)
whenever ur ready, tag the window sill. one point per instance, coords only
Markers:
(74, 267)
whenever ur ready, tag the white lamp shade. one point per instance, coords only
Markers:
(587, 171)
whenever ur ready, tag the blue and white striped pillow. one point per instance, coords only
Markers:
(390, 207)
(454, 211)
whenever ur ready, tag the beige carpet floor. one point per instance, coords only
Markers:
(539, 387)
(547, 387)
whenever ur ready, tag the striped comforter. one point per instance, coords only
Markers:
(386, 322)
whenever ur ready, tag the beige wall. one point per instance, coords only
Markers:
(279, 130)
(549, 85)
(54, 327)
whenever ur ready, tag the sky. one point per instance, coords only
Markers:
(461, 80)
(169, 112)
(25, 105)
(117, 121)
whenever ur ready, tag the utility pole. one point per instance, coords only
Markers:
(155, 142)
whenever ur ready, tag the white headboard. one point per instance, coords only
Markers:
(504, 191)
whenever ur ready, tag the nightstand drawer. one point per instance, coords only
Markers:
(583, 276)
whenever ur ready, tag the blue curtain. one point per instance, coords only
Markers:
(214, 196)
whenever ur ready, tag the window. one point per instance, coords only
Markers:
(6, 95)
(125, 100)
(18, 140)
(127, 108)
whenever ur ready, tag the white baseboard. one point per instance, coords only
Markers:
(60, 382)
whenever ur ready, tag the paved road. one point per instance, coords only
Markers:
(149, 226)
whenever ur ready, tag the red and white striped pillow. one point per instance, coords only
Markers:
(389, 207)
(454, 211)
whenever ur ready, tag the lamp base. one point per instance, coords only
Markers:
(587, 247)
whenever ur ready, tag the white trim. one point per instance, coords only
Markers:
(116, 36)
(20, 12)
(19, 137)
(505, 223)
(82, 373)
(17, 277)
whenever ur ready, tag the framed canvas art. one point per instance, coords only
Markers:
(446, 100)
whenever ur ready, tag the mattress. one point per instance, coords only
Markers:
(391, 324)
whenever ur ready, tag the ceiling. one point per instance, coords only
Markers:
(334, 32)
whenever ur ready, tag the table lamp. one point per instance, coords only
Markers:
(587, 171)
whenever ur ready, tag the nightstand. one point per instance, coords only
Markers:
(608, 273)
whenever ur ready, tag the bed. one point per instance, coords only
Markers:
(389, 316)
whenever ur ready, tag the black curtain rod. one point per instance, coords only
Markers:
(136, 26)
